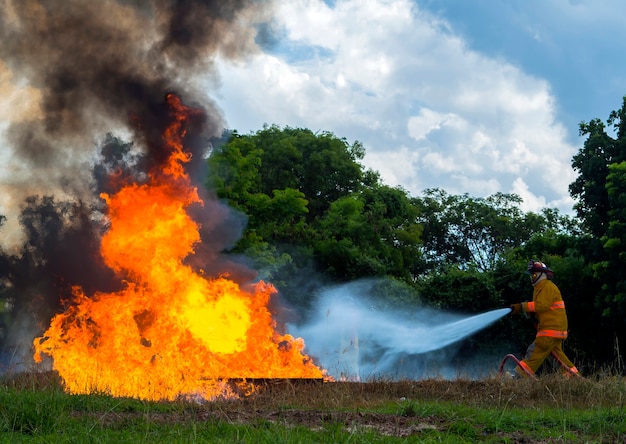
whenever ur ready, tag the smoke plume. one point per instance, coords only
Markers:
(107, 68)
(85, 85)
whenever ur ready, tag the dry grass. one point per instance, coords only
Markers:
(549, 391)
(390, 408)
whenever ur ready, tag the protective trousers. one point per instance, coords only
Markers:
(539, 350)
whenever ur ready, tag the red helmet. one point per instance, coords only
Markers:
(539, 267)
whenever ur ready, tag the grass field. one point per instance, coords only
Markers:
(34, 408)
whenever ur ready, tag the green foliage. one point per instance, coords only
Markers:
(308, 190)
(474, 232)
(316, 216)
(269, 261)
(370, 234)
(320, 166)
(451, 288)
(589, 188)
(394, 294)
(601, 189)
(614, 243)
(234, 171)
(280, 217)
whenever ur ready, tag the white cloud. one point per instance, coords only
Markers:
(399, 80)
(531, 201)
(482, 187)
(428, 120)
(385, 162)
(439, 163)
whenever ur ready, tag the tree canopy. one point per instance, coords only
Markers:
(601, 192)
(312, 204)
(316, 215)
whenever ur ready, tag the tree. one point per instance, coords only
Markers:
(473, 232)
(599, 189)
(592, 163)
(321, 166)
(285, 181)
(611, 269)
(371, 233)
(331, 169)
(316, 217)
(589, 188)
(308, 190)
(234, 171)
(280, 217)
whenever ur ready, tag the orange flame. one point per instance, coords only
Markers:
(171, 331)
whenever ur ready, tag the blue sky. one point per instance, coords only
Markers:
(475, 97)
(578, 46)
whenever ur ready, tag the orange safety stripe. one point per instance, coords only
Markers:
(531, 306)
(529, 371)
(557, 305)
(553, 334)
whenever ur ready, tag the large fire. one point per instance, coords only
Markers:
(171, 331)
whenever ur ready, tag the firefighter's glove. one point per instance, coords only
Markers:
(516, 309)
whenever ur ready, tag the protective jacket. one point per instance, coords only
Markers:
(549, 309)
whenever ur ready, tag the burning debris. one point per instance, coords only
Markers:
(149, 308)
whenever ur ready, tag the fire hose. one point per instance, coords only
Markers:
(514, 358)
(517, 361)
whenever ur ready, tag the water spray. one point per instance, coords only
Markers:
(428, 339)
(352, 340)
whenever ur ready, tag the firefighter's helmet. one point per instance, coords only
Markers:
(539, 267)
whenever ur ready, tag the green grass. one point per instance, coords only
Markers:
(494, 411)
(604, 424)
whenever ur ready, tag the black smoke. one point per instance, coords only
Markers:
(104, 70)
(109, 64)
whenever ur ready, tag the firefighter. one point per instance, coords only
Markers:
(548, 310)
